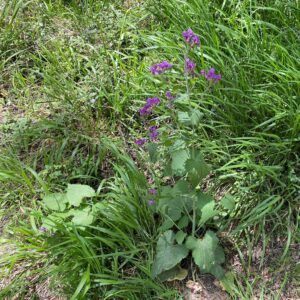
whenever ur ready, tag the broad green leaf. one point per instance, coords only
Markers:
(207, 253)
(175, 273)
(168, 255)
(191, 118)
(173, 201)
(177, 145)
(228, 202)
(76, 193)
(182, 98)
(228, 283)
(83, 217)
(99, 206)
(195, 116)
(55, 201)
(180, 236)
(50, 222)
(152, 150)
(196, 167)
(179, 159)
(167, 224)
(183, 222)
(184, 118)
(206, 207)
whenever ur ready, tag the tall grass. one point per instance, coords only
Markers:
(75, 73)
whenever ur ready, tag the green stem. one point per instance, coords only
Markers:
(194, 218)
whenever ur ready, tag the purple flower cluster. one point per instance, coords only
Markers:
(153, 133)
(211, 75)
(190, 67)
(169, 95)
(152, 192)
(160, 68)
(150, 104)
(140, 142)
(151, 202)
(191, 38)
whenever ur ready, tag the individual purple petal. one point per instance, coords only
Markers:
(140, 142)
(152, 191)
(151, 202)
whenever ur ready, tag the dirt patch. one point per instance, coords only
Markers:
(205, 288)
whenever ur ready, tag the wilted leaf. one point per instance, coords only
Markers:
(228, 283)
(207, 253)
(76, 192)
(168, 255)
(175, 273)
(55, 201)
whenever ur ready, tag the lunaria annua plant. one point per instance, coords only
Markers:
(184, 209)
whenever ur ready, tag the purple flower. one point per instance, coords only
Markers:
(151, 202)
(160, 68)
(191, 38)
(150, 104)
(188, 34)
(169, 95)
(152, 191)
(195, 40)
(140, 142)
(211, 75)
(43, 229)
(202, 73)
(153, 133)
(190, 67)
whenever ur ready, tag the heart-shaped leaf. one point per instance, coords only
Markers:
(55, 201)
(207, 253)
(206, 207)
(83, 217)
(168, 255)
(196, 167)
(76, 193)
